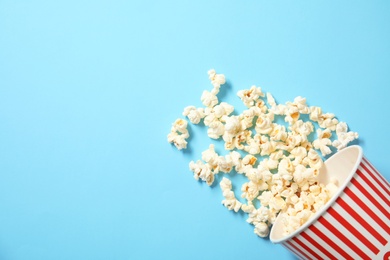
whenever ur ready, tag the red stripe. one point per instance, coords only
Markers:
(290, 248)
(369, 196)
(332, 244)
(307, 248)
(380, 183)
(318, 246)
(372, 186)
(353, 230)
(343, 238)
(367, 209)
(376, 171)
(361, 220)
(302, 254)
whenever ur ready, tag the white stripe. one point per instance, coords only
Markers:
(374, 240)
(364, 215)
(334, 238)
(303, 250)
(323, 244)
(375, 172)
(349, 235)
(292, 250)
(380, 189)
(311, 246)
(366, 200)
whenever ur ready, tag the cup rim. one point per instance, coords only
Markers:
(330, 202)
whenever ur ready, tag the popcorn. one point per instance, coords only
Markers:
(264, 123)
(292, 114)
(194, 114)
(278, 133)
(217, 113)
(328, 121)
(211, 157)
(313, 160)
(344, 137)
(216, 79)
(259, 107)
(241, 138)
(265, 198)
(248, 208)
(251, 95)
(233, 125)
(285, 169)
(249, 191)
(223, 109)
(302, 128)
(235, 157)
(315, 114)
(323, 142)
(266, 146)
(216, 129)
(202, 171)
(179, 134)
(225, 184)
(277, 203)
(261, 229)
(209, 99)
(298, 154)
(249, 160)
(273, 161)
(260, 215)
(230, 200)
(271, 100)
(282, 164)
(253, 146)
(225, 163)
(247, 117)
(280, 110)
(300, 103)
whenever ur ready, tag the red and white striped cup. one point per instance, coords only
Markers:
(355, 223)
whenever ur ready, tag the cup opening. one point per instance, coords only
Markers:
(341, 166)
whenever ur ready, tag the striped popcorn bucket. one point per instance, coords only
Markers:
(355, 223)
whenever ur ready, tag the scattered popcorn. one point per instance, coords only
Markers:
(323, 142)
(211, 158)
(233, 125)
(280, 161)
(225, 163)
(260, 215)
(223, 109)
(216, 79)
(313, 160)
(343, 136)
(194, 114)
(261, 229)
(328, 121)
(278, 133)
(216, 129)
(251, 95)
(230, 200)
(179, 134)
(264, 123)
(271, 100)
(202, 171)
(209, 99)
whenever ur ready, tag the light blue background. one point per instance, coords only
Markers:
(89, 89)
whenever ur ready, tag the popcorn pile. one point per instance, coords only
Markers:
(280, 163)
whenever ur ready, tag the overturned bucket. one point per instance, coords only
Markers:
(355, 223)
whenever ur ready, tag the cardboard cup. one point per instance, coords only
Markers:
(355, 223)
